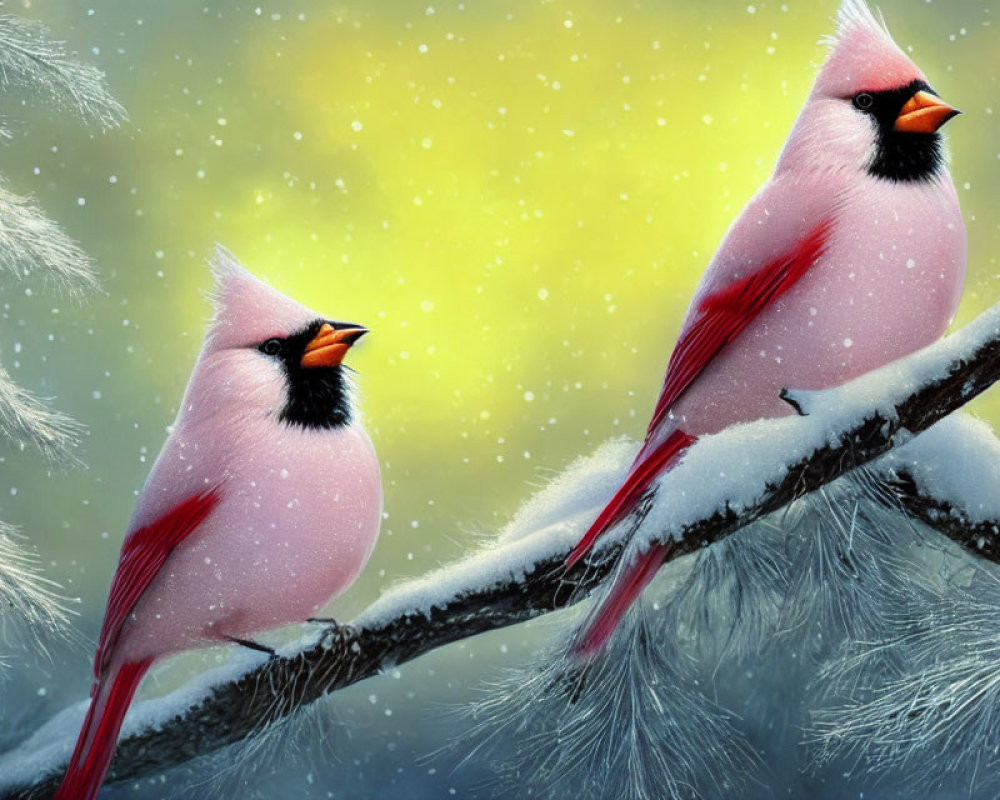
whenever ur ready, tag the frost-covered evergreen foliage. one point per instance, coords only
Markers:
(790, 655)
(31, 60)
(27, 421)
(30, 602)
(632, 724)
(32, 246)
(930, 719)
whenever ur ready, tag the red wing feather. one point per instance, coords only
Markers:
(726, 312)
(143, 554)
(722, 316)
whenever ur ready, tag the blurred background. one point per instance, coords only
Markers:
(518, 198)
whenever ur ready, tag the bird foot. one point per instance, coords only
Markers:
(340, 637)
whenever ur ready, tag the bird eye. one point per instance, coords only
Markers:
(863, 101)
(271, 347)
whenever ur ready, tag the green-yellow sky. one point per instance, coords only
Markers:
(516, 197)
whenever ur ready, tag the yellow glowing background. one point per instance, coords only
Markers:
(517, 197)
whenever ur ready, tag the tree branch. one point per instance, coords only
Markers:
(980, 537)
(768, 464)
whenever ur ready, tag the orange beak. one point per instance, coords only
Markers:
(329, 346)
(924, 113)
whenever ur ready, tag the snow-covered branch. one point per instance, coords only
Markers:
(724, 482)
(981, 536)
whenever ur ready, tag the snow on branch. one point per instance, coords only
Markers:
(725, 482)
(955, 495)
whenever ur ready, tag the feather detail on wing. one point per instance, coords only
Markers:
(720, 317)
(726, 312)
(143, 555)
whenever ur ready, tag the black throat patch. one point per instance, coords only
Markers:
(900, 156)
(318, 397)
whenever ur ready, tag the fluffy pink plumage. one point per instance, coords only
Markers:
(253, 516)
(850, 256)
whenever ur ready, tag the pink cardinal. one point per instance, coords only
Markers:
(264, 503)
(850, 256)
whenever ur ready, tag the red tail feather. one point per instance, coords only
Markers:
(99, 735)
(605, 618)
(720, 317)
(629, 585)
(643, 473)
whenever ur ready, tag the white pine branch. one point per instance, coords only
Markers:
(31, 243)
(30, 59)
(39, 605)
(28, 421)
